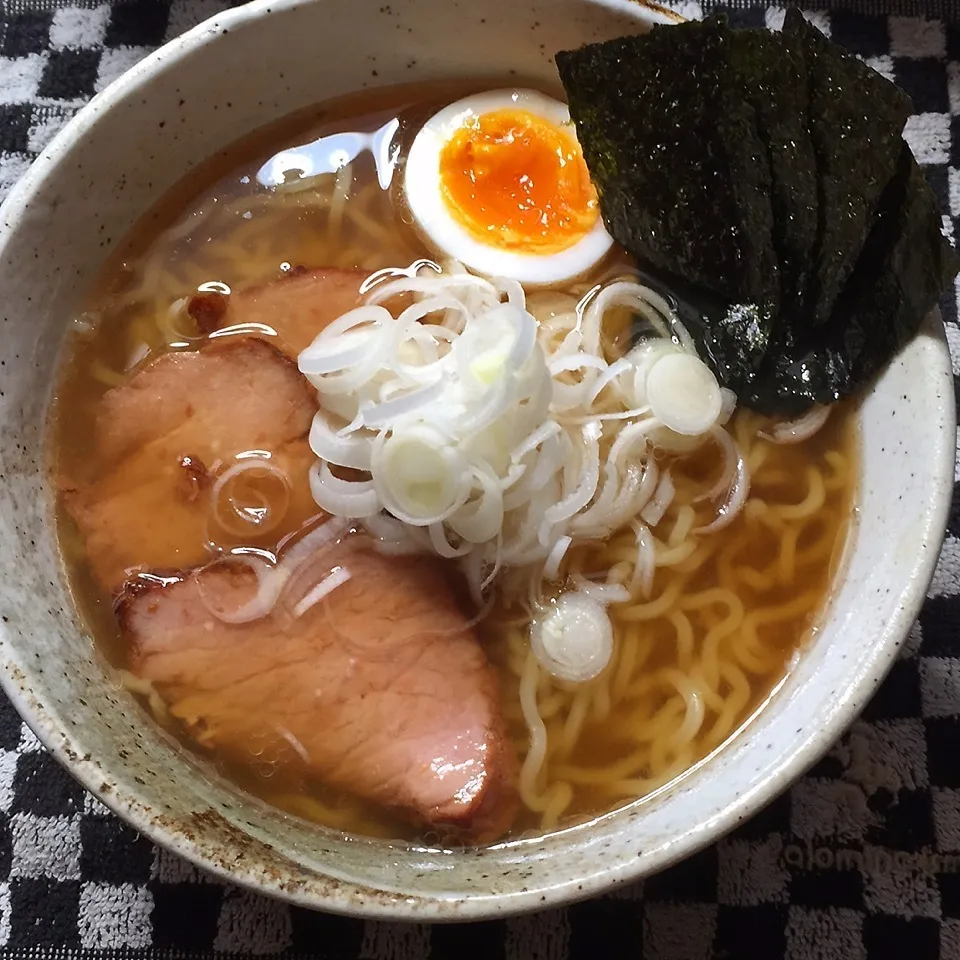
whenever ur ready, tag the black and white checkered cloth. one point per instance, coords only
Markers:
(859, 861)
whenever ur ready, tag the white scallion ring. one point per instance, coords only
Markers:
(573, 639)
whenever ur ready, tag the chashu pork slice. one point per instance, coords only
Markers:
(289, 312)
(161, 438)
(381, 688)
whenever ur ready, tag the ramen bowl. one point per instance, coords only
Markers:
(222, 80)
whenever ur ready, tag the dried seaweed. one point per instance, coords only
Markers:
(773, 79)
(855, 118)
(904, 265)
(657, 148)
(767, 170)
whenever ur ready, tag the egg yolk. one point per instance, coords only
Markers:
(515, 181)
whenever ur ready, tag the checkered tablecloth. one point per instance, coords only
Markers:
(859, 861)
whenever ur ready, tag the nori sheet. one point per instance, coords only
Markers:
(712, 176)
(773, 78)
(856, 117)
(680, 167)
(904, 265)
(759, 168)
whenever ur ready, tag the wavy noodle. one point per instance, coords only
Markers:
(692, 662)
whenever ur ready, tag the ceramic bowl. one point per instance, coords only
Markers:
(220, 81)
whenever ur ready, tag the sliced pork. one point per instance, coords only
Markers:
(290, 312)
(380, 688)
(161, 439)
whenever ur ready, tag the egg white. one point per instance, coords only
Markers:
(429, 209)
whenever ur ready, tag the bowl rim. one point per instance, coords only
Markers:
(353, 899)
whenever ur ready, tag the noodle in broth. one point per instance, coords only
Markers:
(726, 615)
(727, 610)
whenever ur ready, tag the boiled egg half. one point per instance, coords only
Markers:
(497, 181)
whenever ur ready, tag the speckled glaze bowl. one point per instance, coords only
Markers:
(204, 90)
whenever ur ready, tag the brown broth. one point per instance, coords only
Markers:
(609, 741)
(780, 570)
